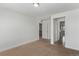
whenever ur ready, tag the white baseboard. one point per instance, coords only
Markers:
(20, 44)
(73, 48)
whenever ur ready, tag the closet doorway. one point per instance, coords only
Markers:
(59, 30)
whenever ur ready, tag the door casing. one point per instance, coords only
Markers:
(57, 28)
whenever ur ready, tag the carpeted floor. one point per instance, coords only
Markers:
(40, 48)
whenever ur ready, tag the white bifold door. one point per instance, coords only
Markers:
(46, 29)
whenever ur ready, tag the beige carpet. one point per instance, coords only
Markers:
(40, 48)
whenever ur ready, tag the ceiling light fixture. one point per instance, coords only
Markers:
(36, 4)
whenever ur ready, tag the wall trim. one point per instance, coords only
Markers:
(68, 47)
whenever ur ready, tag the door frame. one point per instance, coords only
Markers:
(56, 35)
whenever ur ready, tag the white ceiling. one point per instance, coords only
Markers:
(43, 10)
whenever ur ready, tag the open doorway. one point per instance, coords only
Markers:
(45, 29)
(40, 30)
(59, 30)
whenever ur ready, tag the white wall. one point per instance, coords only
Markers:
(16, 28)
(71, 28)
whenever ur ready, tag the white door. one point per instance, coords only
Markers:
(45, 30)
